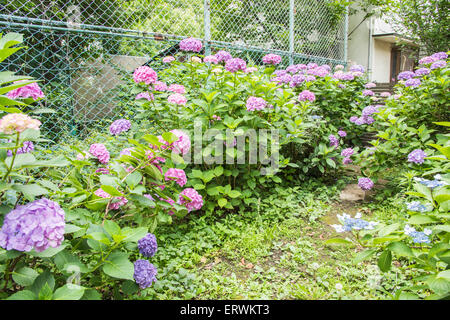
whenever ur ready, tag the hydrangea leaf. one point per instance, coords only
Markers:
(118, 266)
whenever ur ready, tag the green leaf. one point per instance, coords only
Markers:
(112, 191)
(420, 219)
(439, 285)
(44, 278)
(218, 171)
(50, 252)
(401, 248)
(222, 202)
(384, 261)
(133, 179)
(24, 276)
(22, 295)
(69, 292)
(338, 241)
(118, 266)
(234, 194)
(46, 292)
(363, 255)
(30, 191)
(388, 229)
(111, 227)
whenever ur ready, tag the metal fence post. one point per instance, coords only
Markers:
(207, 22)
(346, 36)
(291, 31)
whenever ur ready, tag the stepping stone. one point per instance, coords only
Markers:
(352, 192)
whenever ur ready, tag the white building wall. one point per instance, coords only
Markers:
(381, 61)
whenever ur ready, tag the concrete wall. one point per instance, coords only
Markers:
(381, 61)
(358, 41)
(94, 85)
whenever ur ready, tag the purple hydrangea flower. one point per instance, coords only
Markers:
(422, 72)
(369, 110)
(412, 83)
(119, 126)
(144, 273)
(417, 156)
(353, 119)
(370, 85)
(365, 183)
(235, 64)
(347, 161)
(190, 44)
(347, 152)
(334, 142)
(357, 68)
(306, 95)
(38, 224)
(27, 147)
(440, 55)
(342, 133)
(405, 75)
(223, 56)
(297, 80)
(280, 73)
(255, 103)
(438, 64)
(368, 93)
(147, 245)
(428, 60)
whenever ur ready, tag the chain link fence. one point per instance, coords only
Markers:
(80, 50)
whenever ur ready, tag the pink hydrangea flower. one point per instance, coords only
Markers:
(145, 95)
(250, 69)
(306, 95)
(347, 161)
(235, 64)
(223, 56)
(31, 90)
(177, 88)
(211, 59)
(18, 122)
(190, 44)
(196, 200)
(271, 59)
(255, 103)
(168, 59)
(183, 144)
(116, 203)
(145, 74)
(99, 151)
(177, 98)
(177, 175)
(160, 86)
(216, 117)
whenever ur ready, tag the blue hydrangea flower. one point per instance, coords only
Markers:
(144, 273)
(431, 183)
(417, 207)
(356, 223)
(147, 245)
(418, 237)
